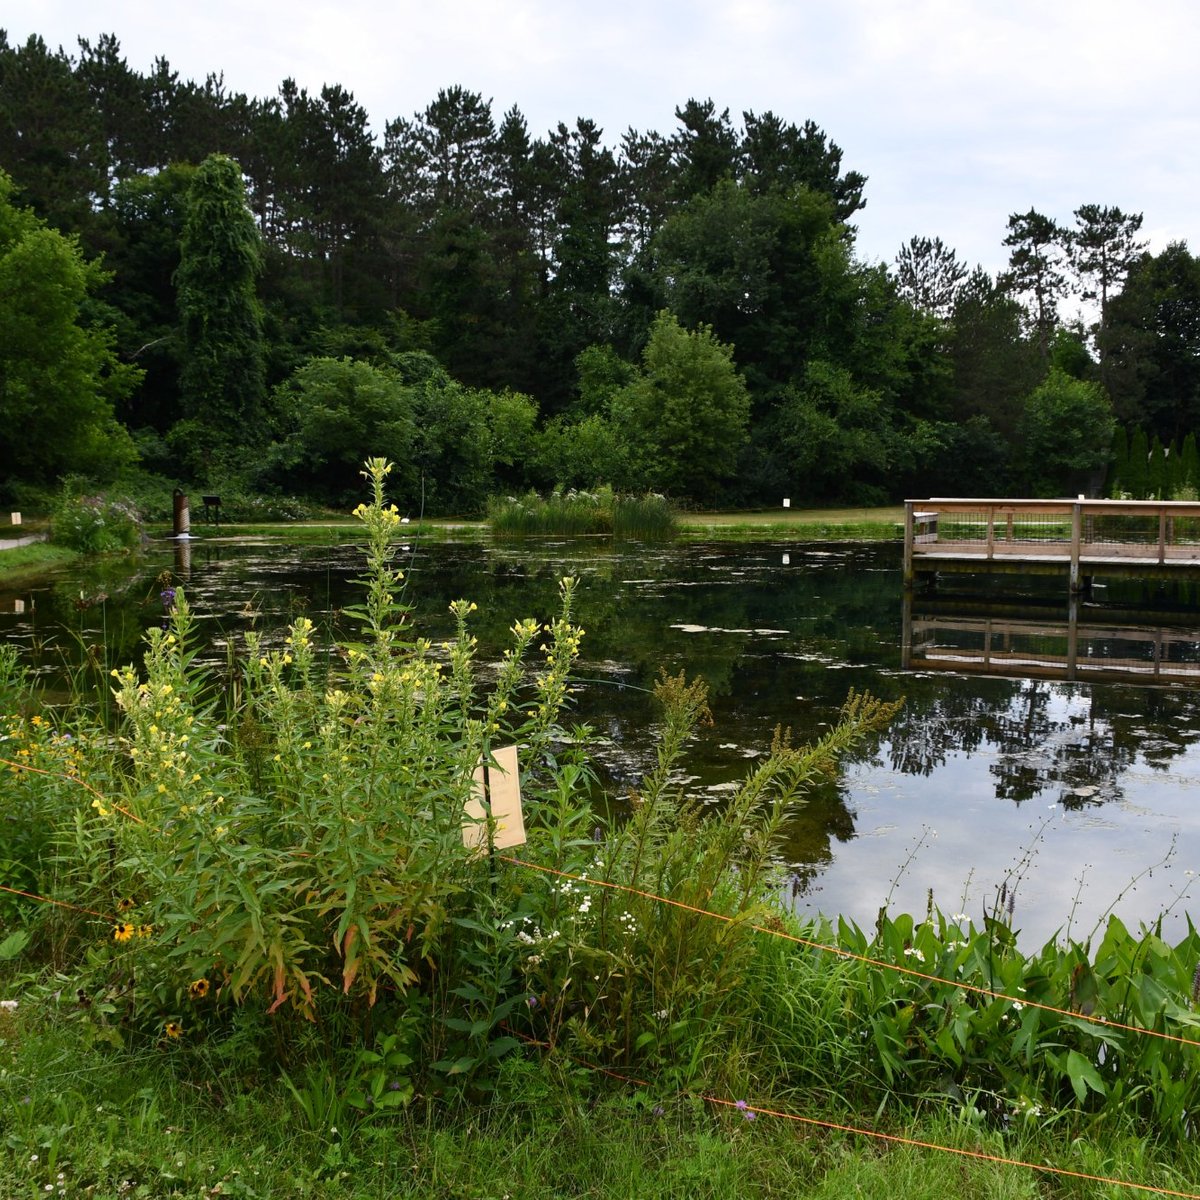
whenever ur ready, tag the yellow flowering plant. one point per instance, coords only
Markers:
(296, 841)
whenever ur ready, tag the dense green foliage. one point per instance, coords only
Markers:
(221, 383)
(94, 524)
(59, 375)
(683, 312)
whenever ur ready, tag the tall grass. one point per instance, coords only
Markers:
(573, 512)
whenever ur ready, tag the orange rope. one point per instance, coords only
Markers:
(61, 903)
(73, 779)
(862, 958)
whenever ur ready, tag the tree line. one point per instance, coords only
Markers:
(263, 290)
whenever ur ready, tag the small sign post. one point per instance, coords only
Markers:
(493, 816)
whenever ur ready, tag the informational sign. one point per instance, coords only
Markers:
(495, 792)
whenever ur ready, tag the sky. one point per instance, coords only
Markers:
(959, 112)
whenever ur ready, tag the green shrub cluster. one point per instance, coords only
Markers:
(572, 511)
(94, 524)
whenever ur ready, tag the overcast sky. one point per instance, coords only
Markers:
(959, 112)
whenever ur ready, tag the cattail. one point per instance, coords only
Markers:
(1196, 985)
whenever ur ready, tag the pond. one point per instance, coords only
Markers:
(1073, 795)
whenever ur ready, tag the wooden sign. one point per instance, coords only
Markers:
(496, 792)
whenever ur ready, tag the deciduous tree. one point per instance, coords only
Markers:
(59, 377)
(686, 415)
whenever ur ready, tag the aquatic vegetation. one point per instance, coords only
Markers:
(576, 512)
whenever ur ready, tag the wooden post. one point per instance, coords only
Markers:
(991, 530)
(1162, 535)
(908, 543)
(1076, 534)
(1072, 635)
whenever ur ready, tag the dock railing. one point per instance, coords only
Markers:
(1084, 536)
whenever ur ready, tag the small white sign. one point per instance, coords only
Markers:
(787, 503)
(16, 518)
(495, 787)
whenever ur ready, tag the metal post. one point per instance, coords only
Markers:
(183, 523)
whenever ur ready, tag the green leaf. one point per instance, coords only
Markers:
(502, 1046)
(13, 944)
(460, 1066)
(1083, 1075)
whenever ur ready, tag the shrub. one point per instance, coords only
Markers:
(577, 512)
(94, 524)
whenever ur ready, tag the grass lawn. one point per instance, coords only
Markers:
(817, 524)
(27, 562)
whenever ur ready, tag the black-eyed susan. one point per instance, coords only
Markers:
(122, 931)
(173, 1029)
(198, 989)
(123, 906)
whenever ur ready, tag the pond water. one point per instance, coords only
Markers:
(1076, 795)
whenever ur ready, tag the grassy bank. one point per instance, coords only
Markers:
(841, 524)
(813, 524)
(28, 562)
(80, 1120)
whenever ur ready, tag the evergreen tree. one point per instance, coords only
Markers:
(1189, 469)
(1138, 472)
(1118, 462)
(1035, 270)
(1156, 471)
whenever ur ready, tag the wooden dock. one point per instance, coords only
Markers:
(1082, 539)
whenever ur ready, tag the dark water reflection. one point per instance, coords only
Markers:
(1075, 787)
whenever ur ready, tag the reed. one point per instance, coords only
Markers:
(578, 513)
